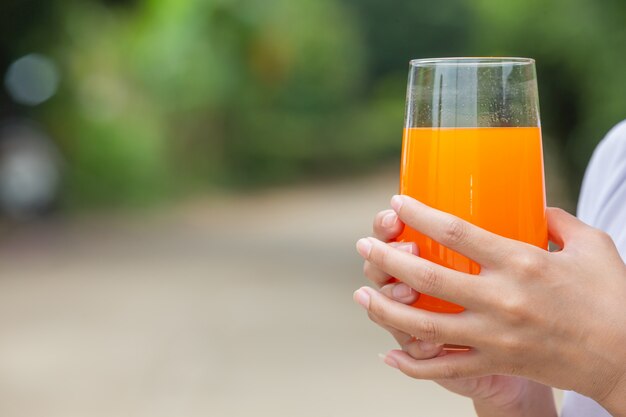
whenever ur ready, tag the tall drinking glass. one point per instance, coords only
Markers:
(472, 147)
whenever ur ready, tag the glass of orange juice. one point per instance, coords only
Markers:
(472, 147)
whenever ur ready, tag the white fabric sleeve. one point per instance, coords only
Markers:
(602, 204)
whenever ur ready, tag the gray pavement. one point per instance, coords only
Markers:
(237, 306)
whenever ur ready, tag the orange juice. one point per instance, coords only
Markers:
(491, 177)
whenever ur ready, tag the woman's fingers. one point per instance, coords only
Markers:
(424, 325)
(486, 248)
(425, 276)
(456, 365)
(418, 349)
(377, 275)
(400, 292)
(387, 226)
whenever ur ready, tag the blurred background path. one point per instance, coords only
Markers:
(235, 307)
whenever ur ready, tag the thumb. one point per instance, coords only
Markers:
(563, 227)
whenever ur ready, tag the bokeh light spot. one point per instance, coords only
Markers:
(32, 79)
(30, 172)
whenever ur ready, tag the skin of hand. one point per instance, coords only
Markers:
(493, 395)
(555, 318)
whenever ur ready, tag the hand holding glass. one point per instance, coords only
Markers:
(472, 148)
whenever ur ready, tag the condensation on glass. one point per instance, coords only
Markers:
(472, 92)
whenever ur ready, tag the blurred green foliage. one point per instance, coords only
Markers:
(169, 94)
(580, 48)
(164, 96)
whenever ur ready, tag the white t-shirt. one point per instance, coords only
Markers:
(602, 204)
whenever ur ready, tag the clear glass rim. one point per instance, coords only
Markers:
(471, 61)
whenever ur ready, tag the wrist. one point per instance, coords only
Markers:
(615, 401)
(485, 408)
(535, 400)
(609, 385)
(495, 407)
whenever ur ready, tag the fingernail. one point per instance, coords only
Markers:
(388, 360)
(396, 202)
(406, 247)
(362, 297)
(364, 247)
(390, 219)
(401, 291)
(426, 346)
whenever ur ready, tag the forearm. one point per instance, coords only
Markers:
(537, 401)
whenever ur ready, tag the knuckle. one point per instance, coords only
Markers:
(379, 255)
(449, 371)
(515, 308)
(454, 232)
(430, 282)
(601, 237)
(529, 264)
(377, 309)
(428, 330)
(510, 344)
